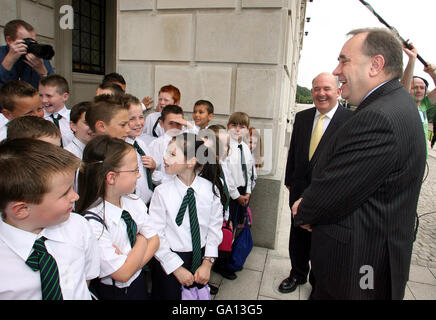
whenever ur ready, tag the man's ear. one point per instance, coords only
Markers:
(377, 65)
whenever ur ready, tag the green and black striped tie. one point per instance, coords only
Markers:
(132, 228)
(56, 122)
(147, 170)
(189, 201)
(155, 126)
(226, 191)
(43, 261)
(244, 165)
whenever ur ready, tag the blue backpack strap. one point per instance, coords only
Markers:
(88, 215)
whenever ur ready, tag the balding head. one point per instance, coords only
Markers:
(325, 92)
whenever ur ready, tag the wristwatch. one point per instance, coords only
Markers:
(210, 259)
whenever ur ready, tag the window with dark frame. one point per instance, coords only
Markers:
(89, 36)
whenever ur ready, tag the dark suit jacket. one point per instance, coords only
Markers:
(363, 197)
(298, 167)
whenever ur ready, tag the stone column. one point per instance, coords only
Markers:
(242, 55)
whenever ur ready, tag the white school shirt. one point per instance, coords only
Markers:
(147, 139)
(234, 165)
(3, 131)
(71, 243)
(164, 207)
(158, 149)
(64, 124)
(76, 147)
(116, 233)
(150, 122)
(142, 189)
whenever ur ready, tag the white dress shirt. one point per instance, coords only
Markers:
(116, 233)
(229, 181)
(164, 207)
(64, 124)
(326, 121)
(147, 139)
(158, 149)
(142, 189)
(3, 131)
(71, 243)
(150, 122)
(76, 147)
(234, 164)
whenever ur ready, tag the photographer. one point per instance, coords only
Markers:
(16, 62)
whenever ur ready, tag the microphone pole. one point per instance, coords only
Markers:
(366, 4)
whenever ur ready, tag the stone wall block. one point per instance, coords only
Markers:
(136, 5)
(250, 37)
(40, 17)
(193, 4)
(155, 37)
(195, 83)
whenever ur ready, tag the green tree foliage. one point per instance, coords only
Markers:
(303, 95)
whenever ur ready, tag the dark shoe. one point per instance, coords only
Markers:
(213, 289)
(226, 273)
(289, 285)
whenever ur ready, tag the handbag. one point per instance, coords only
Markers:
(194, 293)
(226, 244)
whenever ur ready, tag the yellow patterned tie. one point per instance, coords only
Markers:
(316, 135)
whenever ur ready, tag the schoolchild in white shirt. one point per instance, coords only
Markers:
(54, 93)
(187, 212)
(168, 95)
(172, 121)
(202, 115)
(40, 238)
(147, 165)
(118, 218)
(82, 133)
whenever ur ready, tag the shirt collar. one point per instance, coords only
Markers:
(63, 112)
(111, 212)
(329, 114)
(79, 143)
(21, 242)
(367, 95)
(183, 188)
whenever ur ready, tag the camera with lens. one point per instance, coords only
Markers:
(44, 51)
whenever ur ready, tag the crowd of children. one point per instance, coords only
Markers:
(150, 194)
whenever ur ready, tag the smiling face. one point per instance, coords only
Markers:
(25, 106)
(201, 116)
(325, 92)
(56, 204)
(136, 121)
(51, 100)
(237, 131)
(353, 70)
(165, 99)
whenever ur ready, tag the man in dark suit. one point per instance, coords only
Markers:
(361, 203)
(303, 153)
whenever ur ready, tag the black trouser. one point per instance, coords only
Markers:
(167, 287)
(299, 252)
(136, 291)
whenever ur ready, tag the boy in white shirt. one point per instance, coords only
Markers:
(168, 95)
(82, 133)
(37, 227)
(54, 93)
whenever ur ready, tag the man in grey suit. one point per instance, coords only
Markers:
(361, 203)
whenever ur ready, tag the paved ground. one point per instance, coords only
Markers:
(265, 268)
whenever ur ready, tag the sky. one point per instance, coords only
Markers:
(331, 20)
